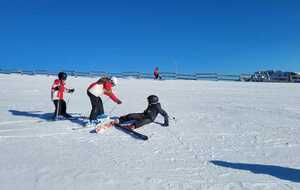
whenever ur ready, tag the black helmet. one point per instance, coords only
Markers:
(152, 99)
(62, 76)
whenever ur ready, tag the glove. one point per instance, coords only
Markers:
(165, 124)
(56, 88)
(119, 102)
(71, 90)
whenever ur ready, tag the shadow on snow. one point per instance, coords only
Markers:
(129, 132)
(44, 116)
(284, 173)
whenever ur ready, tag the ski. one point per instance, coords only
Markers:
(83, 127)
(131, 132)
(87, 127)
(103, 126)
(103, 121)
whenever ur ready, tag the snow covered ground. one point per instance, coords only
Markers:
(227, 135)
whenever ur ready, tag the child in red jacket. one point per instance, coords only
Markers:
(57, 95)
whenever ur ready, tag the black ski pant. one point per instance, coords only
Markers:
(97, 106)
(157, 77)
(60, 108)
(139, 119)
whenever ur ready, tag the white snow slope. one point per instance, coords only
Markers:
(227, 135)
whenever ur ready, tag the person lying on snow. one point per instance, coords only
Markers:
(148, 116)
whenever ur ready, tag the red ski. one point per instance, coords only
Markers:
(103, 126)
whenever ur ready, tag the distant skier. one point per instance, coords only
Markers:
(95, 91)
(57, 95)
(156, 74)
(148, 116)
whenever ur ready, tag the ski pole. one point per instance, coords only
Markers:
(68, 100)
(57, 109)
(173, 118)
(71, 91)
(112, 109)
(104, 102)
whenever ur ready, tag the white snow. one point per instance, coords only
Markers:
(227, 135)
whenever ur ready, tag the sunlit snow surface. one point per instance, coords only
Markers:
(227, 135)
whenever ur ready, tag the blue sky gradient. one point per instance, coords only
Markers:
(224, 36)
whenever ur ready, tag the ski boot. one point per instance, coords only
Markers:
(91, 123)
(102, 118)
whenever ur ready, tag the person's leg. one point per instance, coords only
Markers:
(95, 106)
(136, 124)
(100, 105)
(59, 108)
(140, 123)
(138, 118)
(64, 109)
(55, 102)
(131, 116)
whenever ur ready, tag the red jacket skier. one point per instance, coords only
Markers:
(57, 95)
(95, 90)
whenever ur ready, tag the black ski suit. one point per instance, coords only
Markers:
(148, 116)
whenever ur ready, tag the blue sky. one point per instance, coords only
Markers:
(224, 36)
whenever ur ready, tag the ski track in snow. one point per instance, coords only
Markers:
(16, 122)
(229, 122)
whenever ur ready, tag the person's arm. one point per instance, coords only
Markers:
(107, 88)
(55, 86)
(69, 90)
(57, 89)
(164, 114)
